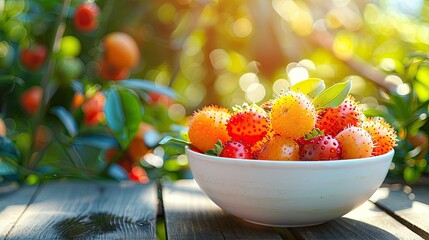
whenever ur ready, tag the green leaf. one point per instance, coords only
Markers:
(149, 86)
(8, 149)
(333, 96)
(101, 141)
(66, 119)
(123, 115)
(173, 146)
(310, 87)
(218, 147)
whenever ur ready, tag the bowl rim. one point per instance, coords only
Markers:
(210, 158)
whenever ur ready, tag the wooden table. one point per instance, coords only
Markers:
(179, 210)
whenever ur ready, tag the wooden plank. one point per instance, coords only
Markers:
(12, 205)
(90, 210)
(409, 205)
(365, 222)
(189, 214)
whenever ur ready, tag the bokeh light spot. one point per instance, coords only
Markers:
(248, 79)
(255, 92)
(280, 84)
(298, 74)
(242, 27)
(176, 112)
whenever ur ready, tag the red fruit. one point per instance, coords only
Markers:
(334, 120)
(108, 72)
(320, 148)
(31, 99)
(34, 57)
(85, 17)
(93, 109)
(248, 126)
(232, 149)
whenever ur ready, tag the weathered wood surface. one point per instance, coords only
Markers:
(408, 205)
(189, 214)
(88, 210)
(12, 205)
(110, 210)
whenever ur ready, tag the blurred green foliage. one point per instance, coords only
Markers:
(223, 52)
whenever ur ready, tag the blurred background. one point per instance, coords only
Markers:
(226, 52)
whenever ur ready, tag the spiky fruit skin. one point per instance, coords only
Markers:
(382, 134)
(355, 143)
(334, 120)
(207, 126)
(280, 148)
(248, 126)
(233, 149)
(320, 148)
(292, 115)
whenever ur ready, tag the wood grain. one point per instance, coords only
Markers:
(189, 214)
(408, 205)
(12, 205)
(88, 210)
(365, 222)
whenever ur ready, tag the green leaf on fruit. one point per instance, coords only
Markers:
(315, 133)
(216, 150)
(333, 96)
(311, 87)
(123, 114)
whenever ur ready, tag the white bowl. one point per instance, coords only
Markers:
(288, 193)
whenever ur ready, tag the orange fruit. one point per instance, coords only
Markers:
(3, 129)
(382, 134)
(137, 148)
(109, 72)
(207, 126)
(93, 109)
(280, 148)
(42, 136)
(292, 115)
(355, 143)
(77, 100)
(31, 99)
(121, 51)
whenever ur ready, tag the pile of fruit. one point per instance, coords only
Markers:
(307, 122)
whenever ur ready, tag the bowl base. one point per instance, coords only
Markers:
(285, 225)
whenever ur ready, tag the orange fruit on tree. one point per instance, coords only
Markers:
(31, 99)
(121, 51)
(207, 126)
(93, 109)
(137, 148)
(109, 72)
(3, 128)
(42, 136)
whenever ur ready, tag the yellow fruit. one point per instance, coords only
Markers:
(207, 126)
(292, 115)
(355, 143)
(280, 148)
(382, 134)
